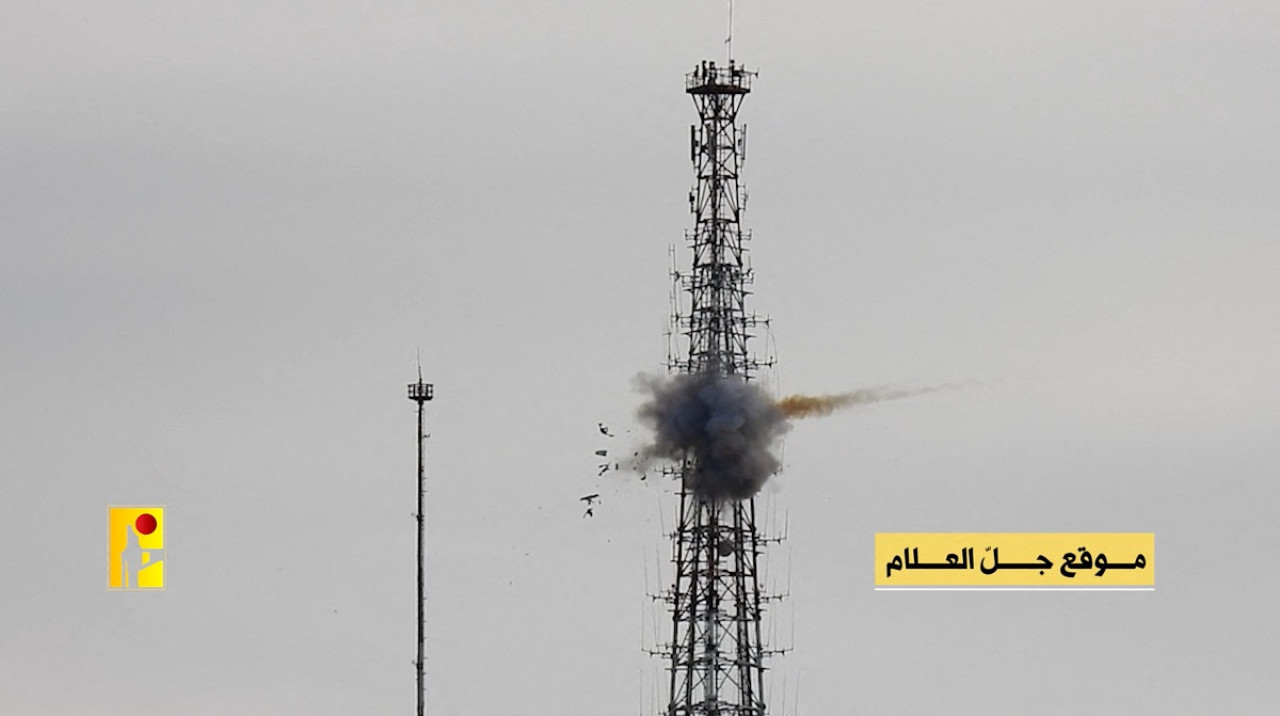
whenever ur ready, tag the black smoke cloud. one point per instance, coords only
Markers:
(723, 425)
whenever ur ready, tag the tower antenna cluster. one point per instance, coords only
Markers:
(716, 657)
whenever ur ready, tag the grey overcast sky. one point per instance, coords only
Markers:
(226, 227)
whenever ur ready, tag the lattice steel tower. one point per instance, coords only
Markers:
(716, 656)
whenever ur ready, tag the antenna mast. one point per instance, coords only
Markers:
(716, 653)
(420, 393)
(729, 40)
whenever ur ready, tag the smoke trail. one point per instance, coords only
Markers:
(724, 428)
(812, 406)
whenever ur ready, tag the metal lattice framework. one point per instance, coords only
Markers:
(716, 656)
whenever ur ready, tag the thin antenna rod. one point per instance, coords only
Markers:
(795, 708)
(729, 40)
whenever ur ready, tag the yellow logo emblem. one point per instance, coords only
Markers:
(135, 547)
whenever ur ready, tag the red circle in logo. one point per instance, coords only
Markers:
(145, 524)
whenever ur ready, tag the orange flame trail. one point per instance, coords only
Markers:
(813, 406)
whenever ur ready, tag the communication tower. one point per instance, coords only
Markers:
(420, 393)
(716, 655)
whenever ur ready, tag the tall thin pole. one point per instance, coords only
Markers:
(421, 392)
(422, 601)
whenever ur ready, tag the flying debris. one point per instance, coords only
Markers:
(589, 513)
(589, 499)
(604, 430)
(604, 467)
(602, 453)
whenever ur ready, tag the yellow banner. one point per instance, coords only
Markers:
(1015, 559)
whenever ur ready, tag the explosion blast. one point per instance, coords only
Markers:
(726, 427)
(723, 424)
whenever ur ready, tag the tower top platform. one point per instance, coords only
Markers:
(421, 391)
(708, 78)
